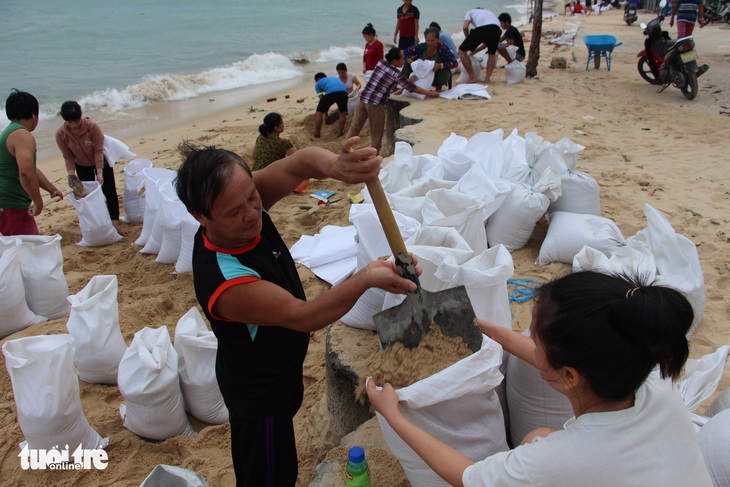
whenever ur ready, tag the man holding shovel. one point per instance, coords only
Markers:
(20, 180)
(248, 286)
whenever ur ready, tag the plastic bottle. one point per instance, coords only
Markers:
(357, 473)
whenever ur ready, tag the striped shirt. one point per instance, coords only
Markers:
(688, 10)
(382, 83)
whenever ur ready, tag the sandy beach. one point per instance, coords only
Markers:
(640, 145)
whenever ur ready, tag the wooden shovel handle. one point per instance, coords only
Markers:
(387, 220)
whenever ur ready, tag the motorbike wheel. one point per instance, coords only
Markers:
(645, 71)
(690, 90)
(629, 22)
(597, 61)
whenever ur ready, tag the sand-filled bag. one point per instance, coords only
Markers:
(568, 233)
(172, 211)
(514, 221)
(153, 178)
(148, 381)
(714, 438)
(46, 391)
(16, 315)
(94, 324)
(190, 227)
(196, 347)
(94, 221)
(41, 265)
(134, 200)
(458, 405)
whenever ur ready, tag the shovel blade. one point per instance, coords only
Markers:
(408, 322)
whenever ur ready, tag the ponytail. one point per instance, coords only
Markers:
(614, 329)
(271, 121)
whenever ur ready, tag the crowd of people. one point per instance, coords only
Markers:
(595, 338)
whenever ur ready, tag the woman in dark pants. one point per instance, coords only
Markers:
(81, 142)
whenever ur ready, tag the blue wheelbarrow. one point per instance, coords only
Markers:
(600, 45)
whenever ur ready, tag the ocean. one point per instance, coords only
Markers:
(119, 58)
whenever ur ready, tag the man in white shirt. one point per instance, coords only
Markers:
(488, 31)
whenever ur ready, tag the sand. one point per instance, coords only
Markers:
(641, 146)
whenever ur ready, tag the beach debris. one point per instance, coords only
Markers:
(694, 213)
(269, 100)
(714, 222)
(579, 132)
(589, 118)
(550, 90)
(323, 195)
(254, 109)
(286, 97)
(355, 198)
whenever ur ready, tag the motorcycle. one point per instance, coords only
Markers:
(725, 12)
(630, 14)
(669, 62)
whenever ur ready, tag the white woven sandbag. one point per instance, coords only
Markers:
(453, 154)
(15, 314)
(153, 178)
(432, 246)
(94, 324)
(41, 264)
(172, 212)
(677, 261)
(485, 278)
(527, 167)
(486, 149)
(449, 208)
(134, 202)
(115, 149)
(372, 245)
(570, 151)
(196, 347)
(701, 377)
(398, 173)
(531, 402)
(459, 407)
(476, 65)
(190, 227)
(568, 233)
(719, 404)
(580, 194)
(94, 221)
(46, 391)
(423, 70)
(514, 221)
(633, 259)
(172, 476)
(148, 381)
(714, 438)
(411, 200)
(515, 72)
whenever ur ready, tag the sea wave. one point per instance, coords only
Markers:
(256, 69)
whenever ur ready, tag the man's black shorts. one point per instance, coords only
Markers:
(339, 97)
(487, 34)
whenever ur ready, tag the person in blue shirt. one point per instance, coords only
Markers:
(330, 90)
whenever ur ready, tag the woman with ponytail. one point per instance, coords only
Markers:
(612, 345)
(270, 146)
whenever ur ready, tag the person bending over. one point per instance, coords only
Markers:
(248, 287)
(486, 31)
(81, 142)
(374, 97)
(330, 90)
(610, 344)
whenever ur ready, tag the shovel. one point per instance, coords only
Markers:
(408, 322)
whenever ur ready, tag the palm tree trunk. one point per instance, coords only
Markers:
(534, 54)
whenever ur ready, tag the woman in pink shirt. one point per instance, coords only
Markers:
(82, 144)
